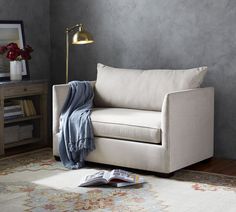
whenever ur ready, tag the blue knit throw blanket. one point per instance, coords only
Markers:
(76, 135)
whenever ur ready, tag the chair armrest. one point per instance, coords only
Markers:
(59, 95)
(188, 126)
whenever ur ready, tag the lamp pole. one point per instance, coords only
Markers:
(67, 55)
(68, 30)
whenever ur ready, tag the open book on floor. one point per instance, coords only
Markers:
(116, 178)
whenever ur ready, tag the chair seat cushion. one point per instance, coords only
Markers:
(128, 124)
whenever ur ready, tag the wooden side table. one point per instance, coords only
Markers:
(32, 90)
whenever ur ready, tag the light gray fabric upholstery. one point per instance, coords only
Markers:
(145, 156)
(188, 126)
(187, 123)
(142, 89)
(59, 96)
(128, 124)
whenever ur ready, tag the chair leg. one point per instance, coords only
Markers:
(165, 175)
(206, 161)
(57, 158)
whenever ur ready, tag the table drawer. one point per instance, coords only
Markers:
(23, 90)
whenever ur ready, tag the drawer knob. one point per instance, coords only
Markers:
(25, 89)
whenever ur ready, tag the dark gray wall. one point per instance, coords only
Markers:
(35, 15)
(156, 34)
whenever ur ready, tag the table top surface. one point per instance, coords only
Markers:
(4, 83)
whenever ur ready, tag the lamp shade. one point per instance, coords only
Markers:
(82, 36)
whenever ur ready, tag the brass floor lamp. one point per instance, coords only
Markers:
(80, 37)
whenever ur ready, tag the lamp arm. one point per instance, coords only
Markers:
(70, 29)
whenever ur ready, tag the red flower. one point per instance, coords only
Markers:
(25, 54)
(12, 46)
(13, 52)
(12, 55)
(29, 48)
(3, 49)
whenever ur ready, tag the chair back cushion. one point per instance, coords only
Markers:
(142, 89)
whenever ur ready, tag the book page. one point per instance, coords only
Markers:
(121, 175)
(97, 178)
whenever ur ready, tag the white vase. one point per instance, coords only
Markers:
(16, 70)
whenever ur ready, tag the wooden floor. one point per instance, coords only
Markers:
(216, 165)
(23, 149)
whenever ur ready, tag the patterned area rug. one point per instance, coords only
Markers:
(36, 182)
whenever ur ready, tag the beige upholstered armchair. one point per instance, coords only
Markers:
(155, 120)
